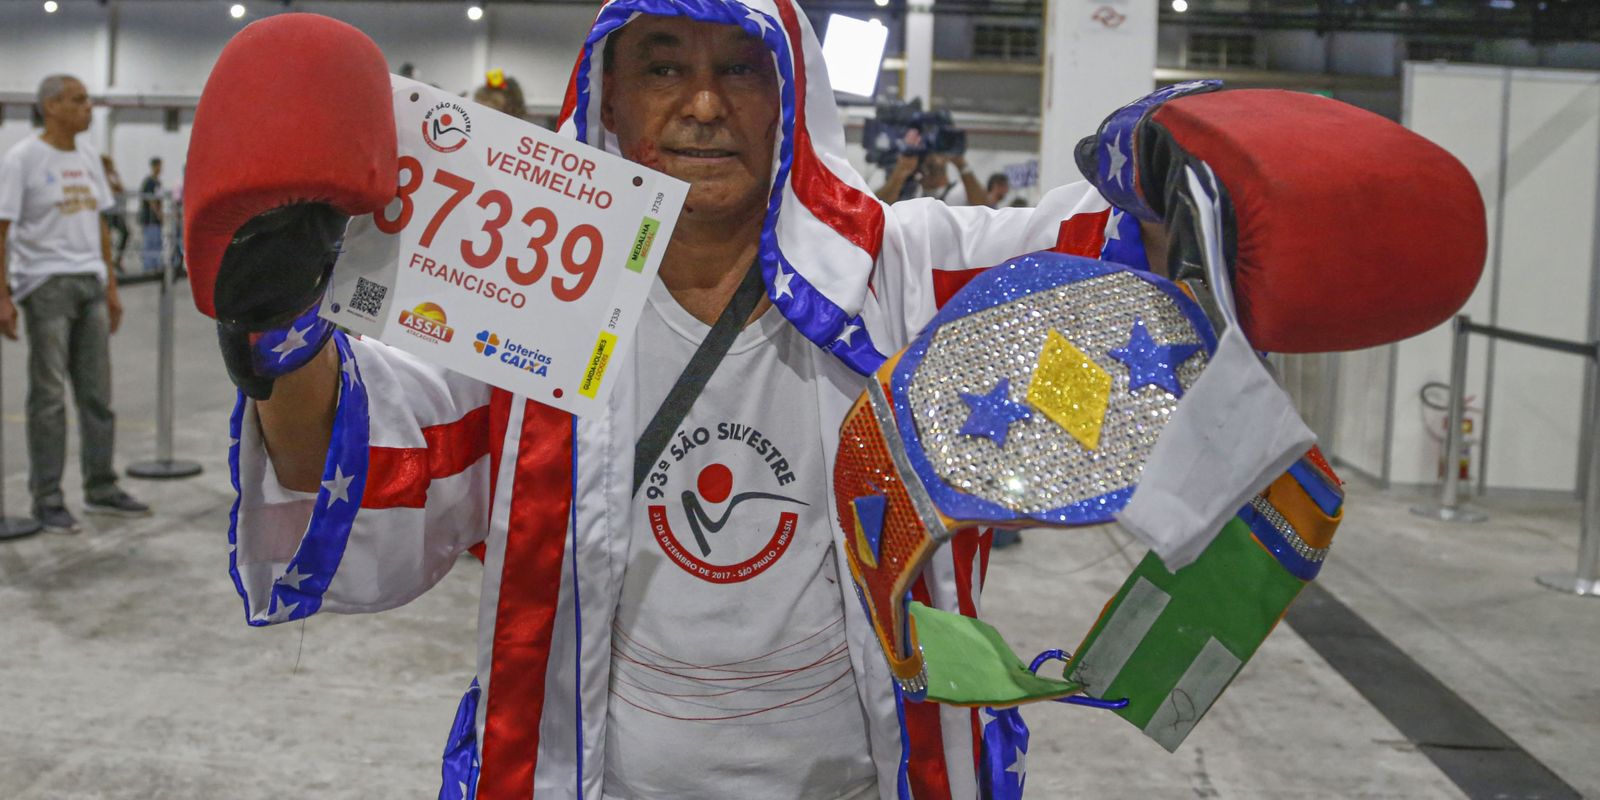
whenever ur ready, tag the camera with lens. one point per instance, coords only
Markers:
(889, 134)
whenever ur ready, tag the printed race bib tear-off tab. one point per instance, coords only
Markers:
(509, 253)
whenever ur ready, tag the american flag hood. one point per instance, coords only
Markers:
(824, 228)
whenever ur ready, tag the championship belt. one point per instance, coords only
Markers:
(1031, 400)
(1034, 400)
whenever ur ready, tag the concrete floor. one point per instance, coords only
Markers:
(126, 670)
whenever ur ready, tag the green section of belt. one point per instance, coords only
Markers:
(969, 664)
(1165, 631)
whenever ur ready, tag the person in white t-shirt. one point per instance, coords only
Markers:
(55, 264)
(928, 175)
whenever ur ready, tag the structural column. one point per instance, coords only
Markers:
(1098, 56)
(919, 52)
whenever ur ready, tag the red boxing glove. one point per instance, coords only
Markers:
(296, 112)
(1347, 230)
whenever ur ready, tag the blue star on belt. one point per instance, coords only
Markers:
(1152, 364)
(993, 413)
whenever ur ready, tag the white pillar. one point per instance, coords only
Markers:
(104, 78)
(1099, 55)
(480, 49)
(919, 51)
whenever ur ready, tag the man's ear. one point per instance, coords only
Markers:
(606, 115)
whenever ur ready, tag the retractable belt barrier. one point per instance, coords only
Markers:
(1585, 580)
(164, 465)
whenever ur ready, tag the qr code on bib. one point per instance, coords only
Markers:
(368, 298)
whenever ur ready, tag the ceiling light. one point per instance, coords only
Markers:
(881, 3)
(1180, 6)
(50, 6)
(474, 13)
(236, 11)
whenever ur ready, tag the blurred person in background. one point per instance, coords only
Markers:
(996, 190)
(502, 94)
(928, 175)
(116, 216)
(150, 217)
(55, 263)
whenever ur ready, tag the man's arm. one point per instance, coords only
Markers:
(976, 195)
(297, 421)
(903, 168)
(8, 310)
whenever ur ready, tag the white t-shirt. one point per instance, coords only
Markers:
(53, 200)
(953, 193)
(730, 675)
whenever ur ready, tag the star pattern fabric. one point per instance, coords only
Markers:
(780, 286)
(1152, 364)
(1004, 763)
(993, 413)
(1119, 160)
(295, 340)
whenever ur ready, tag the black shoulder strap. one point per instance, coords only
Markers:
(695, 375)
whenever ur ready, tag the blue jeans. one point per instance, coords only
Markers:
(151, 252)
(69, 333)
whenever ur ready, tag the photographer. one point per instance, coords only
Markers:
(929, 176)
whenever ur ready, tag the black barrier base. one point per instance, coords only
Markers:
(18, 527)
(164, 470)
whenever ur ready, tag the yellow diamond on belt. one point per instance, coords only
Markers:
(1071, 389)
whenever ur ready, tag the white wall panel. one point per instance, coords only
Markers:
(1362, 408)
(1459, 108)
(1547, 266)
(169, 47)
(1542, 284)
(34, 44)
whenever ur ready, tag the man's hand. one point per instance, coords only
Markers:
(904, 167)
(8, 318)
(113, 308)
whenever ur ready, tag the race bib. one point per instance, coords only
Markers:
(509, 253)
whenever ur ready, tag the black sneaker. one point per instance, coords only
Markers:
(56, 519)
(120, 504)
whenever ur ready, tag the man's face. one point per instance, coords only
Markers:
(70, 109)
(698, 101)
(998, 191)
(155, 168)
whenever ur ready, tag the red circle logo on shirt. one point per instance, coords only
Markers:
(718, 511)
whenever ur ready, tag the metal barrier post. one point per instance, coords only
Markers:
(12, 527)
(164, 465)
(1586, 580)
(1449, 507)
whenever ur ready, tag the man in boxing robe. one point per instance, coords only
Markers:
(632, 644)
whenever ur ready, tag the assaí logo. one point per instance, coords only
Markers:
(427, 321)
(531, 361)
(446, 127)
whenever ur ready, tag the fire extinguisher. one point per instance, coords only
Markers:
(1435, 396)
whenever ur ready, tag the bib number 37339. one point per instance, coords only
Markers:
(508, 253)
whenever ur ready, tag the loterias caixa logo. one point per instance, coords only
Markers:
(727, 521)
(446, 127)
(427, 321)
(513, 354)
